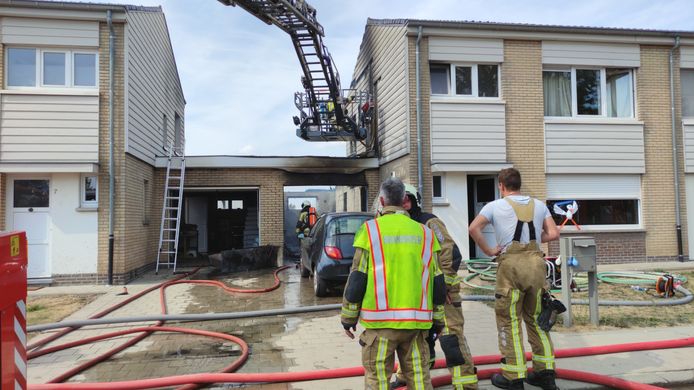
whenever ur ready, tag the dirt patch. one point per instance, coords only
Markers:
(53, 308)
(615, 317)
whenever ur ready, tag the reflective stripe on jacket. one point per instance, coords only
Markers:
(401, 273)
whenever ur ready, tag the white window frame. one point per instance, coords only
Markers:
(603, 92)
(92, 204)
(96, 68)
(474, 80)
(442, 198)
(69, 68)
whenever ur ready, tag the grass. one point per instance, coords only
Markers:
(45, 309)
(619, 316)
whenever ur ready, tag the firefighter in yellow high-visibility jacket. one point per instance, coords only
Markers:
(396, 291)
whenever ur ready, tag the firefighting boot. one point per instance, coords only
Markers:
(501, 382)
(544, 379)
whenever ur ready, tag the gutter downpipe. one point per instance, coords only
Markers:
(675, 164)
(420, 185)
(111, 173)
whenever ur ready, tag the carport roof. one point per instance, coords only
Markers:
(296, 164)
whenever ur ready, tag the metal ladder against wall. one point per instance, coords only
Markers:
(171, 209)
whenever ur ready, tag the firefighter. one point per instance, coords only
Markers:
(396, 291)
(302, 225)
(452, 339)
(521, 223)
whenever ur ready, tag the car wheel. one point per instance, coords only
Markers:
(319, 285)
(305, 272)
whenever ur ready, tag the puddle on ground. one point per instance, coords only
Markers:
(164, 354)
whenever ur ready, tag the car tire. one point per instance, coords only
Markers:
(320, 287)
(305, 272)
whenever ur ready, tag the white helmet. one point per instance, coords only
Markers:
(412, 190)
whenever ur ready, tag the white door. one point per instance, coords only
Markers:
(30, 213)
(485, 189)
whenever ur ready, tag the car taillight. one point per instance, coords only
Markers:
(333, 252)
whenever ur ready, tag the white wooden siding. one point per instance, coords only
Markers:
(387, 47)
(591, 54)
(49, 128)
(687, 56)
(27, 31)
(593, 186)
(468, 132)
(582, 147)
(688, 128)
(153, 87)
(466, 50)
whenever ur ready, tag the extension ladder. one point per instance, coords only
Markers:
(171, 209)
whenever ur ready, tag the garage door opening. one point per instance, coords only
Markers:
(219, 219)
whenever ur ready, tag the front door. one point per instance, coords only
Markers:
(30, 213)
(485, 189)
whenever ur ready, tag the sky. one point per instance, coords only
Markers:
(239, 75)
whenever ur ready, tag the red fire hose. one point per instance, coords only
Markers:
(144, 332)
(195, 380)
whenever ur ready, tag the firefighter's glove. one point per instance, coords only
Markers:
(349, 328)
(436, 329)
(551, 308)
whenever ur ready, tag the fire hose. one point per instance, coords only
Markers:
(282, 377)
(195, 380)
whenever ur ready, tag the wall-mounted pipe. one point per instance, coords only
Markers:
(111, 171)
(420, 185)
(678, 222)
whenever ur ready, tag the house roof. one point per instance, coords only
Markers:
(550, 28)
(80, 5)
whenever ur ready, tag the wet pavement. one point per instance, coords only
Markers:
(297, 342)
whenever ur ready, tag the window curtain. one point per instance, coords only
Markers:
(557, 93)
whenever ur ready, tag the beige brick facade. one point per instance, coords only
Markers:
(521, 89)
(653, 107)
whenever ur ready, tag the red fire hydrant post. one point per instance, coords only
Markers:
(13, 295)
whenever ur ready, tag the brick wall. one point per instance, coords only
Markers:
(521, 88)
(141, 225)
(119, 253)
(613, 248)
(425, 94)
(658, 195)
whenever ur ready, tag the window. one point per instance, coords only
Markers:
(474, 80)
(687, 77)
(21, 67)
(344, 201)
(30, 193)
(237, 204)
(601, 212)
(89, 194)
(84, 70)
(607, 92)
(54, 69)
(222, 205)
(438, 186)
(164, 131)
(146, 199)
(30, 67)
(177, 130)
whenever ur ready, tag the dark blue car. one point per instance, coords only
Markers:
(327, 252)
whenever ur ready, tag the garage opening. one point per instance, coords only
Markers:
(219, 219)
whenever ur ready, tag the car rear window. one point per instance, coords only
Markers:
(346, 225)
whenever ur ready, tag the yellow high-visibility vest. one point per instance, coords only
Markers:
(401, 273)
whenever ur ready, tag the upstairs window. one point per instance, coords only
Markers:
(474, 80)
(687, 78)
(50, 68)
(606, 92)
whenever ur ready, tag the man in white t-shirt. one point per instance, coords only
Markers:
(521, 223)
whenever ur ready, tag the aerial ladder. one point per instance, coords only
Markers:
(326, 111)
